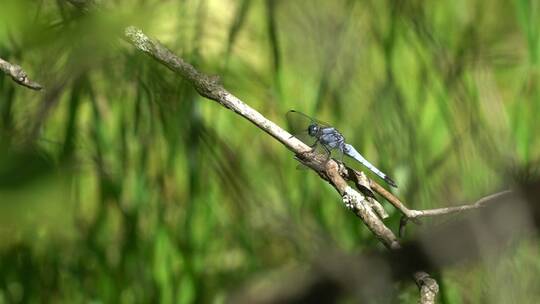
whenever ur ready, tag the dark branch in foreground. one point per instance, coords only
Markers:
(505, 219)
(18, 75)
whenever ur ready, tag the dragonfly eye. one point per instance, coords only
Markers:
(313, 129)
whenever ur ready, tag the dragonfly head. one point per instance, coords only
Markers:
(313, 129)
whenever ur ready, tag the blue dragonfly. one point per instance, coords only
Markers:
(329, 138)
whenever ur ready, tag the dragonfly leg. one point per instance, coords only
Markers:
(328, 153)
(314, 145)
(342, 149)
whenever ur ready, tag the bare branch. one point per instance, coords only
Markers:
(329, 170)
(18, 75)
(211, 88)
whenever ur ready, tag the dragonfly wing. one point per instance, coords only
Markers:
(297, 115)
(297, 124)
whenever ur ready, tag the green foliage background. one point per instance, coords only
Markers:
(118, 183)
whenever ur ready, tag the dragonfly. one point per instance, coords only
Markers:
(314, 132)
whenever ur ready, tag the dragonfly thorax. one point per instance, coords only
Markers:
(329, 138)
(313, 129)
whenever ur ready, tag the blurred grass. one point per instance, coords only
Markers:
(120, 184)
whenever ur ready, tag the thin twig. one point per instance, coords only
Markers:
(390, 198)
(412, 214)
(18, 75)
(455, 209)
